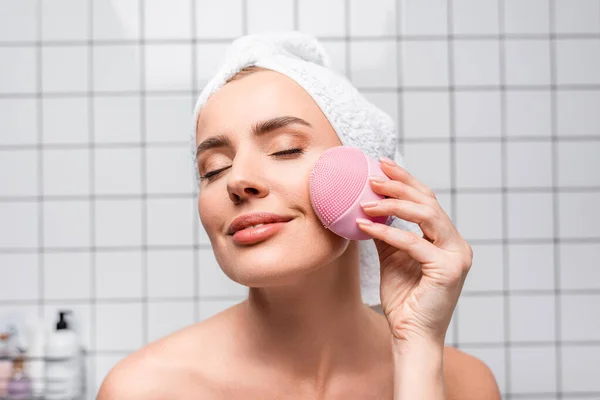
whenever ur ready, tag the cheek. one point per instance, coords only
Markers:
(208, 211)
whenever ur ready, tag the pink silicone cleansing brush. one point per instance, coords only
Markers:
(338, 183)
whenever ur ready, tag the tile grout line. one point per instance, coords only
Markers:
(555, 204)
(195, 212)
(40, 163)
(562, 87)
(367, 38)
(452, 140)
(92, 201)
(505, 219)
(143, 172)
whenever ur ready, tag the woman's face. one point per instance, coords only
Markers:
(254, 179)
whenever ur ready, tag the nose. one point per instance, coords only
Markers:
(246, 180)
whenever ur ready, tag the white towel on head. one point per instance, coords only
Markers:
(357, 122)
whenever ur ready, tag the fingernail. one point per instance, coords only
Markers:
(376, 178)
(369, 203)
(364, 221)
(387, 161)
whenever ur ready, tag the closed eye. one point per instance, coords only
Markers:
(282, 153)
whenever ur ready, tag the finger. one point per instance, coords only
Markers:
(400, 174)
(414, 245)
(400, 190)
(435, 227)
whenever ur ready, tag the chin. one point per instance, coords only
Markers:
(266, 266)
(277, 262)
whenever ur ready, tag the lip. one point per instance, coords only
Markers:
(246, 220)
(250, 236)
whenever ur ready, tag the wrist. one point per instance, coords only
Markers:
(418, 369)
(418, 345)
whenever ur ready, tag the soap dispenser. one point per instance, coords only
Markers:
(63, 362)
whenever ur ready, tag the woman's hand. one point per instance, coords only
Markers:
(421, 277)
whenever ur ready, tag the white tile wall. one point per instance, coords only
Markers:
(479, 215)
(426, 17)
(495, 358)
(116, 20)
(584, 18)
(578, 113)
(24, 274)
(118, 222)
(25, 161)
(166, 317)
(18, 69)
(17, 21)
(477, 117)
(208, 59)
(528, 113)
(209, 19)
(481, 319)
(424, 63)
(260, 21)
(119, 275)
(66, 223)
(521, 172)
(366, 20)
(322, 18)
(116, 68)
(526, 16)
(167, 19)
(117, 119)
(117, 171)
(65, 120)
(578, 272)
(531, 266)
(532, 318)
(417, 110)
(65, 69)
(475, 16)
(578, 61)
(19, 120)
(477, 114)
(65, 20)
(416, 159)
(533, 53)
(487, 273)
(533, 370)
(168, 118)
(170, 274)
(374, 64)
(168, 67)
(478, 165)
(577, 362)
(476, 62)
(573, 326)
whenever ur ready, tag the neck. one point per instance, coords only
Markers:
(317, 326)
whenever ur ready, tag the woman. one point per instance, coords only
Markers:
(304, 332)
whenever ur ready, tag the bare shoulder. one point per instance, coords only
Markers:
(138, 376)
(168, 368)
(467, 377)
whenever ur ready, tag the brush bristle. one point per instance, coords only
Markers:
(336, 181)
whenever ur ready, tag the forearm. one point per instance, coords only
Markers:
(418, 371)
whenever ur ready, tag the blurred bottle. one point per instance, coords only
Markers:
(5, 363)
(19, 386)
(63, 362)
(36, 334)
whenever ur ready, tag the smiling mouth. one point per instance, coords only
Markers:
(258, 233)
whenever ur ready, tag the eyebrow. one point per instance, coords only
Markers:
(258, 128)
